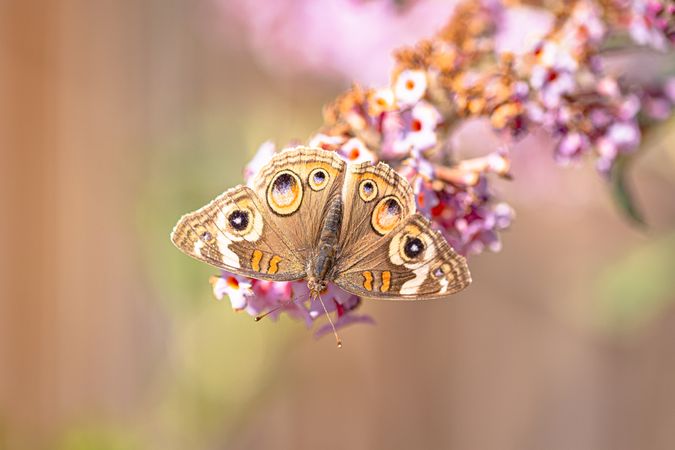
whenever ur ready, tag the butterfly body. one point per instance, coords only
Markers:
(312, 216)
(321, 266)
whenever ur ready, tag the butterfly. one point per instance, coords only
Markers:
(311, 216)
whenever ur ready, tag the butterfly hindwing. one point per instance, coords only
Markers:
(412, 262)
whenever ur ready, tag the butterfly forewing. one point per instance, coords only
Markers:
(296, 187)
(376, 199)
(235, 232)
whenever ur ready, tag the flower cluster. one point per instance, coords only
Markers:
(259, 298)
(559, 85)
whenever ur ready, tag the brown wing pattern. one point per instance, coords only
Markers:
(385, 249)
(412, 262)
(235, 232)
(376, 199)
(297, 186)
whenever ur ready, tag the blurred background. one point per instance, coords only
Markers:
(116, 117)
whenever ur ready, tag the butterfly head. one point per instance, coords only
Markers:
(316, 286)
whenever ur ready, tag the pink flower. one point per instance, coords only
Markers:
(265, 298)
(425, 196)
(551, 84)
(382, 100)
(392, 128)
(645, 25)
(571, 147)
(409, 87)
(236, 287)
(419, 129)
(355, 151)
(326, 142)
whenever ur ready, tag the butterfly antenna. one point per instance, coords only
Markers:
(337, 338)
(259, 317)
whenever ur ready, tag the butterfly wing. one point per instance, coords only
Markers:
(411, 262)
(297, 186)
(235, 232)
(266, 232)
(376, 199)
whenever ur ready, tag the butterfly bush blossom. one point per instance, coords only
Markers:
(559, 86)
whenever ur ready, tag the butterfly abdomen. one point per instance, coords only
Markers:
(323, 262)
